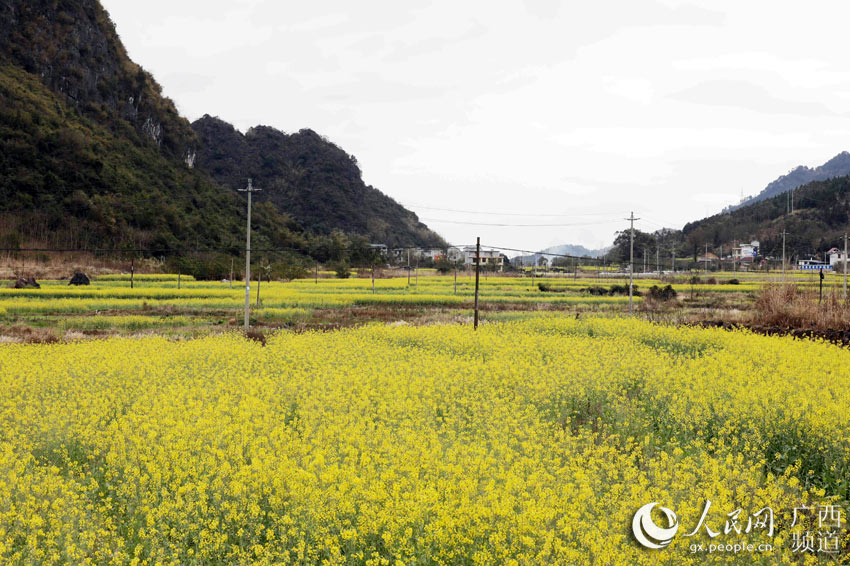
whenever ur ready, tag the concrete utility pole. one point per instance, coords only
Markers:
(408, 267)
(631, 219)
(250, 190)
(657, 259)
(706, 257)
(845, 266)
(644, 259)
(477, 269)
(783, 254)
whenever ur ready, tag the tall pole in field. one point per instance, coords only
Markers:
(408, 267)
(631, 219)
(845, 266)
(673, 259)
(250, 190)
(132, 270)
(783, 255)
(455, 277)
(231, 273)
(706, 257)
(657, 259)
(477, 269)
(259, 280)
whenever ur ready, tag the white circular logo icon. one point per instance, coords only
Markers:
(648, 533)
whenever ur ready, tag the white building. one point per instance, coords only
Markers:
(746, 252)
(489, 258)
(837, 258)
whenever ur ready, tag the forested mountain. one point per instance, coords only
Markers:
(820, 218)
(92, 154)
(838, 166)
(308, 177)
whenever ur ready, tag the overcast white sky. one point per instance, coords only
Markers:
(546, 112)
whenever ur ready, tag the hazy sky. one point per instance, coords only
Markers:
(554, 118)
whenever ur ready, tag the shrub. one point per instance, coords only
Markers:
(596, 290)
(624, 290)
(341, 270)
(667, 293)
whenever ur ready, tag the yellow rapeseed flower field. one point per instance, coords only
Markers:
(527, 442)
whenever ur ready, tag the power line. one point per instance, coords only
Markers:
(518, 225)
(490, 213)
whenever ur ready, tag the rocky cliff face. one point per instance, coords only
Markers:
(72, 46)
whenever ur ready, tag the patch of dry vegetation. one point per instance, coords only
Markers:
(790, 306)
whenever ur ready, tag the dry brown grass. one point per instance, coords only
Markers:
(62, 266)
(789, 306)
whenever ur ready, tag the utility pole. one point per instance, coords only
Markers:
(408, 267)
(455, 277)
(706, 257)
(631, 219)
(644, 259)
(783, 254)
(250, 190)
(231, 273)
(845, 266)
(259, 280)
(132, 270)
(673, 259)
(373, 278)
(657, 260)
(477, 269)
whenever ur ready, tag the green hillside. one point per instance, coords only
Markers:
(67, 181)
(93, 155)
(820, 218)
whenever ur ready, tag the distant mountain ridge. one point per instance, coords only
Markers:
(564, 249)
(838, 166)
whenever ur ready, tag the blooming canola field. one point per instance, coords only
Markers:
(526, 442)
